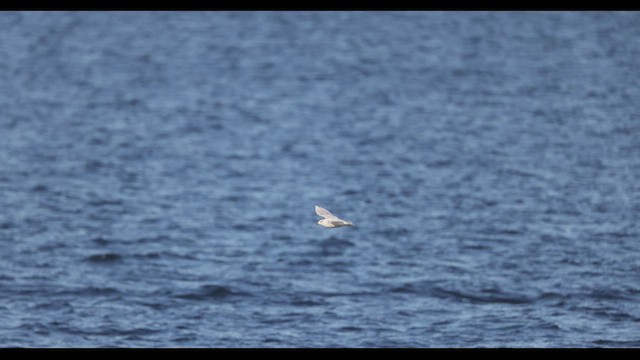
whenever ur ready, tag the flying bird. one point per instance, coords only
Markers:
(330, 220)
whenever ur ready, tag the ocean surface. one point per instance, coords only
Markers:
(159, 172)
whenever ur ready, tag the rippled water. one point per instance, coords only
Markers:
(159, 171)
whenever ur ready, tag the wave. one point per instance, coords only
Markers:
(393, 232)
(211, 292)
(103, 258)
(350, 329)
(617, 343)
(305, 301)
(103, 330)
(483, 297)
(335, 242)
(479, 296)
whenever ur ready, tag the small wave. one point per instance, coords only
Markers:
(389, 215)
(40, 188)
(552, 297)
(341, 294)
(274, 320)
(89, 291)
(185, 338)
(299, 262)
(350, 329)
(304, 302)
(5, 225)
(209, 292)
(103, 258)
(616, 343)
(96, 291)
(523, 173)
(334, 242)
(246, 227)
(149, 255)
(235, 198)
(393, 232)
(613, 314)
(106, 331)
(105, 202)
(272, 341)
(52, 246)
(475, 246)
(614, 294)
(151, 220)
(157, 239)
(480, 297)
(92, 166)
(500, 231)
(350, 192)
(101, 241)
(411, 289)
(616, 234)
(334, 246)
(153, 255)
(440, 163)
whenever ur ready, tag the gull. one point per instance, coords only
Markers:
(330, 220)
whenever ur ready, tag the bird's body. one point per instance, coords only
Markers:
(330, 220)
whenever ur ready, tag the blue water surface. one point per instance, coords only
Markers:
(159, 172)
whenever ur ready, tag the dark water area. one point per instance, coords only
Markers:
(159, 172)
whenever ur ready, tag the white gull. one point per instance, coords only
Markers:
(330, 220)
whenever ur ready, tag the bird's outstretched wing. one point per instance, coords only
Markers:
(324, 213)
(339, 222)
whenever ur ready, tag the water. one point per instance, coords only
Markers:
(159, 171)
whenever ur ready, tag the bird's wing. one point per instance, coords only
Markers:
(338, 222)
(324, 213)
